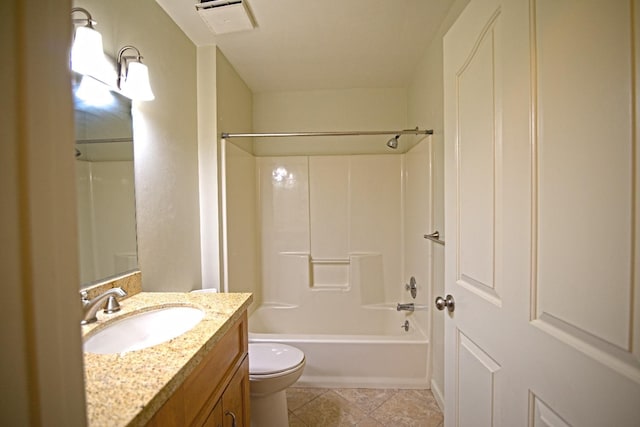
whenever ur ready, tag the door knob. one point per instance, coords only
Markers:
(447, 302)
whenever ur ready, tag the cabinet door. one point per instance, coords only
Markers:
(235, 400)
(215, 417)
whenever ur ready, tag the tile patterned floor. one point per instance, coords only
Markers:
(361, 407)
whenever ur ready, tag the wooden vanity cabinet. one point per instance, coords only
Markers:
(217, 391)
(229, 411)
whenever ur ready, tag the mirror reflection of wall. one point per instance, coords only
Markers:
(105, 182)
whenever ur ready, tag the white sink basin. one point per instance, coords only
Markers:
(143, 330)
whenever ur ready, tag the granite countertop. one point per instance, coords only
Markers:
(127, 389)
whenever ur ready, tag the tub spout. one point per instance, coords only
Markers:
(405, 307)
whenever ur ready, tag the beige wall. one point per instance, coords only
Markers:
(166, 145)
(426, 109)
(328, 110)
(208, 155)
(242, 237)
(241, 246)
(234, 103)
(41, 359)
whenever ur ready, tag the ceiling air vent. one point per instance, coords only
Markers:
(226, 16)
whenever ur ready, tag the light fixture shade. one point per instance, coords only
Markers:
(135, 84)
(87, 54)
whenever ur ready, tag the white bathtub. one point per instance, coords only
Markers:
(364, 348)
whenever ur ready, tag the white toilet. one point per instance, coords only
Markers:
(273, 367)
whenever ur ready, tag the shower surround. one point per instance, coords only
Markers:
(338, 238)
(331, 224)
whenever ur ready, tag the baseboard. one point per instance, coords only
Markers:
(324, 381)
(437, 394)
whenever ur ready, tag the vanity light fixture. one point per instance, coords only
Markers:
(87, 53)
(133, 75)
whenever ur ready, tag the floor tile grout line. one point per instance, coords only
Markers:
(298, 419)
(350, 404)
(313, 398)
(394, 393)
(385, 401)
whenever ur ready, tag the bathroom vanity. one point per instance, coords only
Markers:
(216, 392)
(200, 378)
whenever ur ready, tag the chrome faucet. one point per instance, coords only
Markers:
(405, 307)
(91, 307)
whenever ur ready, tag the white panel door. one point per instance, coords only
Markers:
(542, 214)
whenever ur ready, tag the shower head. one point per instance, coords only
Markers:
(393, 142)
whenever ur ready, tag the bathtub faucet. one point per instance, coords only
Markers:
(405, 307)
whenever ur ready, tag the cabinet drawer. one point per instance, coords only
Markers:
(206, 383)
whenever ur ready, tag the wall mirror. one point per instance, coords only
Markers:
(105, 181)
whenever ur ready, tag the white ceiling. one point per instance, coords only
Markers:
(322, 44)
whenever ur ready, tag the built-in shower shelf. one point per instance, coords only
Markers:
(360, 272)
(330, 273)
(330, 261)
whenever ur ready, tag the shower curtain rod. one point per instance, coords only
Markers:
(415, 131)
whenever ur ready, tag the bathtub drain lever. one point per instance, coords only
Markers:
(405, 326)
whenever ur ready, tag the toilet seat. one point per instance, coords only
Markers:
(267, 359)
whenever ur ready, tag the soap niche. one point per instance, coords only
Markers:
(329, 274)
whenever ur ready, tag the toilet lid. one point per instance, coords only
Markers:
(271, 358)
